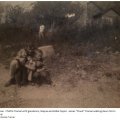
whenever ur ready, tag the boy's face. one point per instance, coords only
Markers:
(30, 51)
(38, 55)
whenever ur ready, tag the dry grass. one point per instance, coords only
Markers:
(86, 74)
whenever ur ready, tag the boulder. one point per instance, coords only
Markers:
(48, 51)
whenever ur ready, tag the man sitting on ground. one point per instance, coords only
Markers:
(18, 71)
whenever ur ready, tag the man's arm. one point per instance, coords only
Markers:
(30, 66)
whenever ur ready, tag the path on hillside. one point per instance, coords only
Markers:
(82, 93)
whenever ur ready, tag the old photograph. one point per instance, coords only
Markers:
(59, 54)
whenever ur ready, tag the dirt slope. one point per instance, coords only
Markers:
(79, 82)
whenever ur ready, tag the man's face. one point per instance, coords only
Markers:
(22, 60)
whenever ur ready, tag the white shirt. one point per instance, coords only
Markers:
(42, 28)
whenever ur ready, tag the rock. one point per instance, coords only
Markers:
(48, 51)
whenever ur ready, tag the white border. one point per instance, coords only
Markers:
(62, 115)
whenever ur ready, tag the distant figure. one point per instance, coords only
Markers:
(116, 37)
(41, 32)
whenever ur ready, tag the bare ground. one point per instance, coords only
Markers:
(79, 82)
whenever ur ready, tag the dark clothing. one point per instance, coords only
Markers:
(18, 73)
(21, 75)
(42, 76)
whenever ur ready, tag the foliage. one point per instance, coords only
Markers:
(53, 12)
(14, 16)
(1, 10)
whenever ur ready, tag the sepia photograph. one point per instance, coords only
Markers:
(59, 54)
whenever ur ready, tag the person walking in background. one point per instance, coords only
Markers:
(41, 33)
